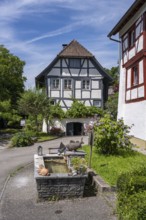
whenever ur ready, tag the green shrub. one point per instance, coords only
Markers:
(21, 139)
(79, 110)
(132, 207)
(132, 195)
(111, 136)
(131, 182)
(79, 163)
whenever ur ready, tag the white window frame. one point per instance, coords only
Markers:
(67, 84)
(55, 84)
(86, 84)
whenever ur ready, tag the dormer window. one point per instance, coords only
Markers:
(74, 63)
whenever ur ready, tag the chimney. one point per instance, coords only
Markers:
(64, 45)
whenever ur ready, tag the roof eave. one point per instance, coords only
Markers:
(128, 15)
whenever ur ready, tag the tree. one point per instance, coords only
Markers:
(31, 104)
(9, 114)
(114, 73)
(11, 78)
(112, 105)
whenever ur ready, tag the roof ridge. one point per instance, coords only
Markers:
(78, 50)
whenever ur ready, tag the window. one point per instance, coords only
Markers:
(67, 84)
(55, 83)
(53, 102)
(97, 103)
(131, 38)
(135, 76)
(125, 44)
(74, 63)
(85, 84)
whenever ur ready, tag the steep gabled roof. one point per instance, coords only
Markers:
(75, 49)
(127, 16)
(72, 50)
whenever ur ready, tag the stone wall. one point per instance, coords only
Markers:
(61, 187)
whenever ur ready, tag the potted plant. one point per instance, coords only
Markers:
(79, 165)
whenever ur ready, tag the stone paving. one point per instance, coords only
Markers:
(19, 196)
(20, 202)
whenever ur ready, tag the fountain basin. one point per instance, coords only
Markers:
(59, 184)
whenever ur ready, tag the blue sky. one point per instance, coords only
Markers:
(34, 30)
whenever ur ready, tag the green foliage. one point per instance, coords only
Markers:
(111, 105)
(132, 194)
(132, 207)
(11, 78)
(31, 102)
(79, 164)
(111, 136)
(110, 167)
(21, 139)
(9, 114)
(31, 126)
(130, 183)
(113, 72)
(34, 104)
(57, 112)
(79, 110)
(93, 110)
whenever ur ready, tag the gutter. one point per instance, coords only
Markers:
(118, 41)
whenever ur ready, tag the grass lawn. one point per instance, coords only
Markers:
(45, 137)
(110, 167)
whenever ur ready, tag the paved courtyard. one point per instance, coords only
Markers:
(19, 196)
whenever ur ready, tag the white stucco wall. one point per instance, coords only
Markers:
(135, 114)
(121, 99)
(62, 123)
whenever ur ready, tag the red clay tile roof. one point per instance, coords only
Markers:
(75, 49)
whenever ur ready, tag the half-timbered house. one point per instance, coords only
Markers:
(75, 74)
(132, 91)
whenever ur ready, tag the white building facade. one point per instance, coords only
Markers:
(75, 74)
(132, 89)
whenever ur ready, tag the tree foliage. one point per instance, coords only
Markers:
(11, 78)
(31, 104)
(113, 72)
(79, 110)
(112, 105)
(9, 114)
(36, 105)
(57, 112)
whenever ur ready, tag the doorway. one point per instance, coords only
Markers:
(74, 128)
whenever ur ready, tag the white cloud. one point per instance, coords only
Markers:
(95, 16)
